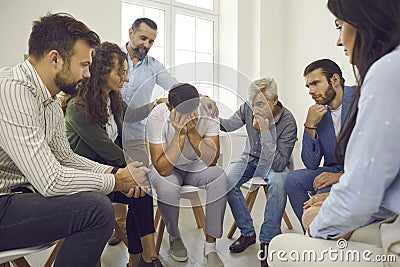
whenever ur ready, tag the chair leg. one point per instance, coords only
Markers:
(52, 257)
(121, 233)
(197, 210)
(160, 233)
(250, 199)
(196, 217)
(200, 218)
(20, 262)
(5, 264)
(157, 218)
(287, 221)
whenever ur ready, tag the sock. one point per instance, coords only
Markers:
(209, 247)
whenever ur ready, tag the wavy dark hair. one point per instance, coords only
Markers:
(105, 57)
(378, 33)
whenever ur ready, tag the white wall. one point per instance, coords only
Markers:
(16, 17)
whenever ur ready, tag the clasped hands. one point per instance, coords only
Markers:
(132, 180)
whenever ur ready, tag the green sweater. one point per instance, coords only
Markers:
(91, 139)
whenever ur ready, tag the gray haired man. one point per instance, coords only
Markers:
(272, 133)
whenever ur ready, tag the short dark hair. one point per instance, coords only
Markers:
(328, 68)
(184, 98)
(59, 32)
(146, 21)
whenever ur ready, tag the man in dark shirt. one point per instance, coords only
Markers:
(272, 133)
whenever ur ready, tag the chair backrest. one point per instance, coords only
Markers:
(9, 255)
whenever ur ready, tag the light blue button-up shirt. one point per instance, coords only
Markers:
(138, 91)
(370, 185)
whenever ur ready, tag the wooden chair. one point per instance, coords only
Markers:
(17, 256)
(187, 192)
(255, 184)
(53, 254)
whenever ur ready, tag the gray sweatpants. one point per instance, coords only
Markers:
(212, 179)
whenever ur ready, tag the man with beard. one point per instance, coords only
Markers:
(332, 99)
(47, 192)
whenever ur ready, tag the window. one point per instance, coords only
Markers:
(186, 42)
(207, 4)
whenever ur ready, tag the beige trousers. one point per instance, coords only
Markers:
(377, 244)
(136, 150)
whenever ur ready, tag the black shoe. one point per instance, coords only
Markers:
(115, 239)
(264, 254)
(156, 263)
(242, 243)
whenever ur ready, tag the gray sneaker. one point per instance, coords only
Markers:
(177, 250)
(213, 260)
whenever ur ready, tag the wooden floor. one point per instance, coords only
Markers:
(117, 256)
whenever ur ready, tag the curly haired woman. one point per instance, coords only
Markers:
(93, 123)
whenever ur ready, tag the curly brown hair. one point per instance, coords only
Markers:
(93, 90)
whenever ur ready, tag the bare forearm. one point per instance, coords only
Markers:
(205, 148)
(166, 162)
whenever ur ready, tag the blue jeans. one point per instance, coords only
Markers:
(86, 219)
(299, 184)
(239, 172)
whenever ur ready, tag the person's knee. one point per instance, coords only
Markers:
(99, 207)
(278, 180)
(169, 194)
(292, 181)
(219, 180)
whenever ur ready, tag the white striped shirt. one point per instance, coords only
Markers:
(34, 149)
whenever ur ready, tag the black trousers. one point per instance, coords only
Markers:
(139, 221)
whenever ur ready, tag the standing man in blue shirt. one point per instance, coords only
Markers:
(324, 80)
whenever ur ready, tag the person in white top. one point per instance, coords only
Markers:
(47, 192)
(184, 148)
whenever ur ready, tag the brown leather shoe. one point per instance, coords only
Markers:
(242, 243)
(264, 252)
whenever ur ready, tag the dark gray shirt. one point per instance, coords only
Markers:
(274, 146)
